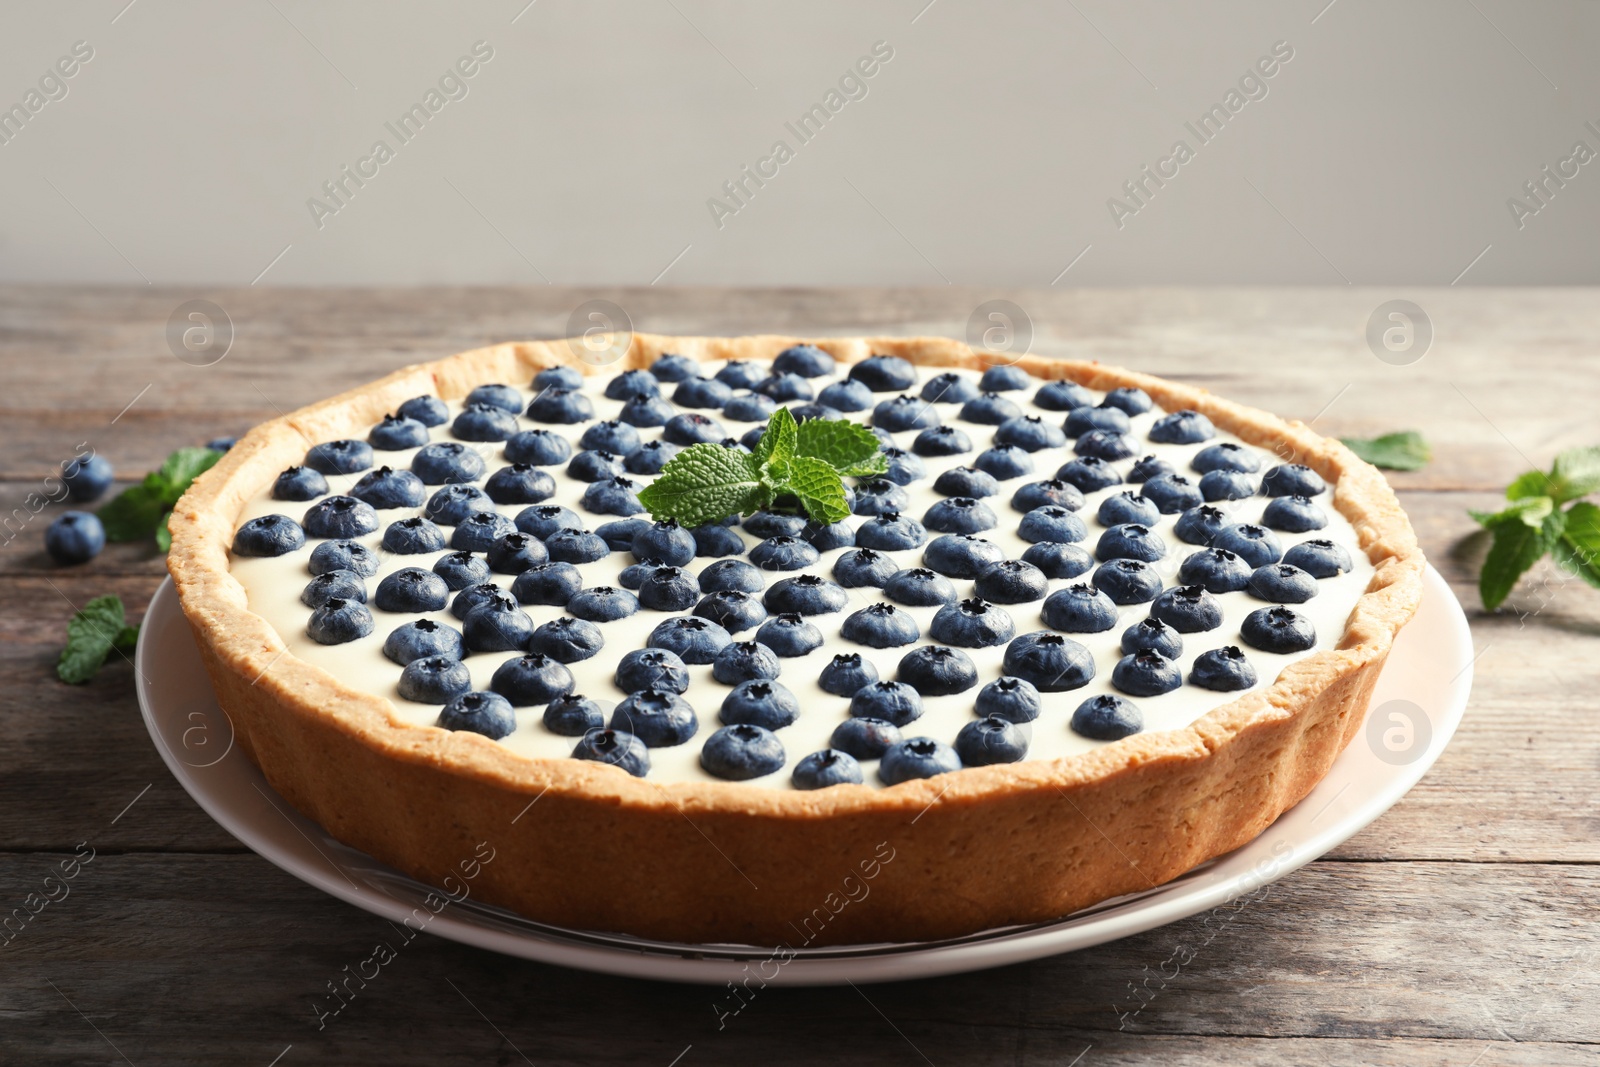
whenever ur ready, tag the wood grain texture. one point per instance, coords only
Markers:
(1457, 929)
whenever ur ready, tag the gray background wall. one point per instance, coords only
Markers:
(984, 152)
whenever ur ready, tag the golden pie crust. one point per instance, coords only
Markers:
(734, 863)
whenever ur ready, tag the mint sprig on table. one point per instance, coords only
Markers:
(795, 467)
(1402, 451)
(141, 511)
(1535, 524)
(92, 635)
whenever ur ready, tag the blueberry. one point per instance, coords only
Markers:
(893, 702)
(864, 567)
(299, 483)
(653, 668)
(964, 481)
(847, 395)
(935, 670)
(1008, 698)
(760, 702)
(746, 661)
(603, 603)
(489, 714)
(880, 496)
(455, 503)
(961, 555)
(808, 594)
(825, 768)
(1129, 506)
(1088, 474)
(414, 537)
(474, 596)
(632, 383)
(889, 532)
(88, 477)
(989, 409)
(1127, 581)
(990, 740)
(701, 393)
(411, 589)
(1051, 493)
(1011, 582)
(1319, 558)
(484, 422)
(960, 515)
(339, 621)
(1146, 673)
(479, 531)
(513, 553)
(339, 457)
(423, 637)
(1188, 609)
(1133, 401)
(1172, 493)
(594, 465)
(773, 524)
(1224, 669)
(1103, 444)
(1182, 428)
(613, 496)
(567, 640)
(1052, 523)
(396, 432)
(447, 463)
(1293, 514)
(920, 587)
(542, 520)
(668, 589)
(1225, 456)
(1004, 462)
(903, 413)
(611, 436)
(1226, 485)
(972, 623)
(1107, 717)
(340, 516)
(671, 367)
(646, 411)
(537, 448)
(784, 553)
(1058, 560)
(497, 395)
(269, 535)
(78, 536)
(650, 457)
(346, 585)
(1292, 479)
(573, 715)
(949, 388)
(749, 407)
(531, 679)
(827, 538)
(941, 441)
(1062, 396)
(659, 718)
(1216, 569)
(808, 361)
(1256, 545)
(731, 575)
(789, 635)
(694, 639)
(1085, 420)
(1079, 609)
(434, 679)
(633, 575)
(1030, 433)
(864, 737)
(885, 374)
(741, 752)
(1282, 583)
(1278, 629)
(904, 467)
(618, 534)
(386, 489)
(880, 626)
(1131, 540)
(692, 429)
(1154, 635)
(1049, 662)
(615, 747)
(1004, 380)
(520, 483)
(846, 673)
(343, 555)
(560, 406)
(784, 388)
(916, 757)
(1200, 526)
(428, 410)
(1148, 467)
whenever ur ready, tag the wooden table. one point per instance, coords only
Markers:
(1459, 929)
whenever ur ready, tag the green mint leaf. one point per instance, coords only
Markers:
(819, 489)
(1576, 473)
(1578, 549)
(1403, 451)
(1517, 546)
(840, 444)
(163, 534)
(1531, 510)
(183, 467)
(127, 639)
(706, 483)
(91, 635)
(871, 467)
(1530, 484)
(777, 445)
(134, 513)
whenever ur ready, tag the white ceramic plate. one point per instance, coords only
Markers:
(1418, 703)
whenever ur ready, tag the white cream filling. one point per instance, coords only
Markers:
(273, 586)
